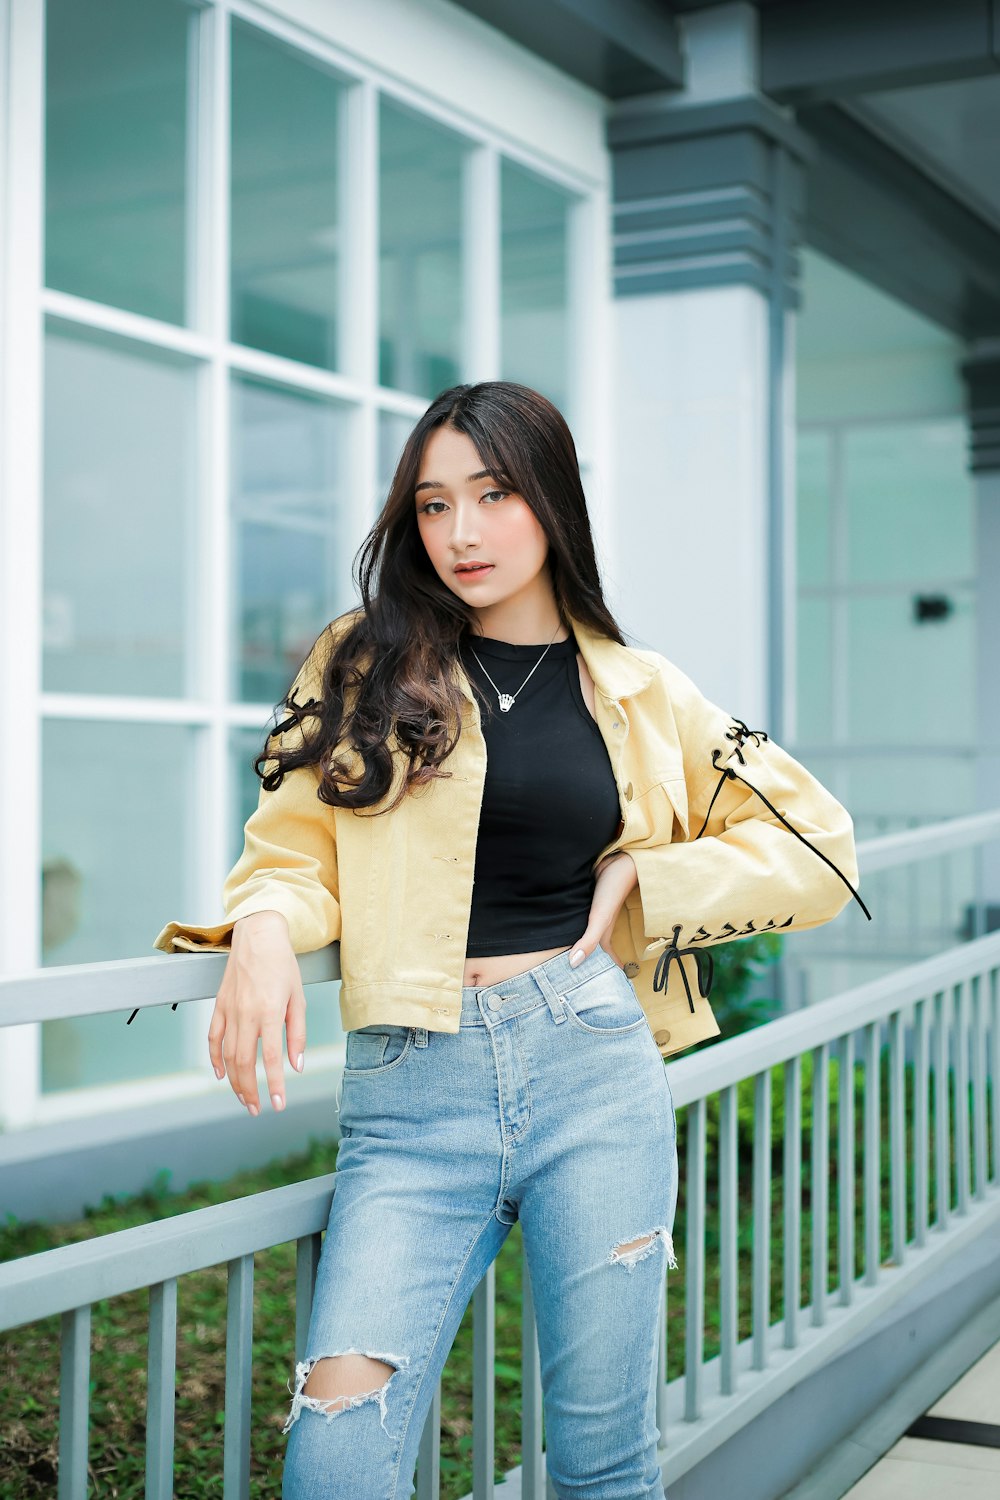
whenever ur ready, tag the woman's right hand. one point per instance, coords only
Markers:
(261, 990)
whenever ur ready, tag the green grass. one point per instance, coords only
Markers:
(29, 1358)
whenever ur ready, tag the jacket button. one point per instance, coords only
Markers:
(661, 1037)
(631, 970)
(628, 792)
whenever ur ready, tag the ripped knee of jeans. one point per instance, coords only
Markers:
(334, 1406)
(629, 1253)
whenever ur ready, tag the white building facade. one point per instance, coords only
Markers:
(753, 259)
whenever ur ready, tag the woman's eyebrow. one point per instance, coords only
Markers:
(435, 484)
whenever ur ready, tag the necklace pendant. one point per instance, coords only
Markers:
(506, 702)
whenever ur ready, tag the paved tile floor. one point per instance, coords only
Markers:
(918, 1469)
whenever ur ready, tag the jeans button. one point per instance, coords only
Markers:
(495, 1002)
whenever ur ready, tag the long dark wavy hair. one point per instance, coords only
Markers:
(390, 697)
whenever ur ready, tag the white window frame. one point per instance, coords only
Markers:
(25, 304)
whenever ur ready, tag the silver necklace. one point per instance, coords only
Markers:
(506, 700)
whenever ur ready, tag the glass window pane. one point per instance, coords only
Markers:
(812, 522)
(286, 226)
(393, 430)
(910, 501)
(814, 660)
(119, 517)
(290, 517)
(911, 683)
(322, 1000)
(117, 124)
(420, 253)
(116, 839)
(535, 313)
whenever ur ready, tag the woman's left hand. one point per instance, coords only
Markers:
(615, 877)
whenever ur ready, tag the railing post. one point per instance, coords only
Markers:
(819, 1157)
(74, 1403)
(761, 1295)
(897, 1139)
(921, 1123)
(428, 1486)
(979, 1036)
(307, 1254)
(873, 1150)
(846, 1165)
(792, 1190)
(728, 1216)
(942, 1108)
(532, 1469)
(962, 1094)
(484, 1384)
(239, 1369)
(161, 1385)
(694, 1284)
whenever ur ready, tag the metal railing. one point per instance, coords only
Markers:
(928, 887)
(919, 1147)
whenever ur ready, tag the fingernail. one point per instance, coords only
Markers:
(299, 1061)
(220, 1072)
(576, 957)
(241, 1098)
(277, 1101)
(253, 1109)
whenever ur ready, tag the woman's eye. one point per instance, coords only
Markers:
(425, 510)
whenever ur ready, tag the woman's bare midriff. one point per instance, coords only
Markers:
(480, 972)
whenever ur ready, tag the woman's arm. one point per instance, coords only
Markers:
(767, 847)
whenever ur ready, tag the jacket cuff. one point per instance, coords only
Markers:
(308, 929)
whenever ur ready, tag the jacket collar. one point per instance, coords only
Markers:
(617, 671)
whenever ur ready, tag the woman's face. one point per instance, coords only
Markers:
(464, 516)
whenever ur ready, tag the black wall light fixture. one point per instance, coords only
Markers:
(931, 608)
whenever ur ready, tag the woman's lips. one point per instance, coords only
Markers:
(472, 573)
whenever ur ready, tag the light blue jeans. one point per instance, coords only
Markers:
(550, 1106)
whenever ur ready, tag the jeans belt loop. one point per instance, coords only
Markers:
(556, 1004)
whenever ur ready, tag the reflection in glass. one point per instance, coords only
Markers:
(116, 841)
(286, 223)
(117, 209)
(420, 253)
(814, 476)
(535, 313)
(290, 530)
(911, 683)
(911, 513)
(118, 517)
(393, 430)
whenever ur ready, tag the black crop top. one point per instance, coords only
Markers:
(550, 802)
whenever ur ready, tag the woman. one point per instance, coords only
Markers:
(526, 835)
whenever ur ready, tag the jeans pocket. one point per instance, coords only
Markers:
(373, 1050)
(606, 1004)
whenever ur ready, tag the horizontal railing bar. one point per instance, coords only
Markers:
(927, 842)
(56, 1281)
(63, 992)
(94, 989)
(737, 1057)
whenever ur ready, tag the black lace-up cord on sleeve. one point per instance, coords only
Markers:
(136, 1012)
(671, 954)
(727, 773)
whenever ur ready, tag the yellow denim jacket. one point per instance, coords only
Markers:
(702, 797)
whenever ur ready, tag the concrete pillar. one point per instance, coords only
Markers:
(708, 188)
